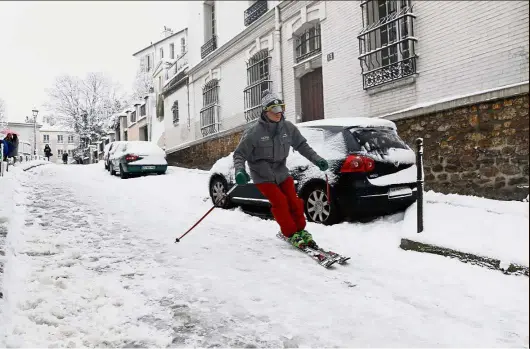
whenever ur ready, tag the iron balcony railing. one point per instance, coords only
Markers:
(387, 45)
(258, 9)
(209, 47)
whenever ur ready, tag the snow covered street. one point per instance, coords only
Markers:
(91, 261)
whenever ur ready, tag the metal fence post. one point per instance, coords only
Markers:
(419, 182)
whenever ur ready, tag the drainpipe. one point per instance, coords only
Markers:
(278, 43)
(188, 93)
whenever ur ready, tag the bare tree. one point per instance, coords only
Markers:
(142, 85)
(85, 105)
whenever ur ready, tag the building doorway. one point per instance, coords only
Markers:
(143, 136)
(312, 95)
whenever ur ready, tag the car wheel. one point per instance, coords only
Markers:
(111, 170)
(317, 208)
(218, 188)
(123, 174)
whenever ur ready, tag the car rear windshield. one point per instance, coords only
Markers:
(376, 140)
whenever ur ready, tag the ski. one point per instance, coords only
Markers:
(340, 258)
(321, 258)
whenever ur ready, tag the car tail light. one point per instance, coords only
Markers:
(131, 157)
(357, 163)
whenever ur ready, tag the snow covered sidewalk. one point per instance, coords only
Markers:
(91, 262)
(484, 227)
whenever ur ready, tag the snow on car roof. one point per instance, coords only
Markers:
(143, 146)
(350, 122)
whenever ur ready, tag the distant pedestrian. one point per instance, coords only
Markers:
(47, 151)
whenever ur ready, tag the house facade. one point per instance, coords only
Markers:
(453, 73)
(157, 60)
(60, 139)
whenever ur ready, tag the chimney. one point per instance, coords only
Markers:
(167, 32)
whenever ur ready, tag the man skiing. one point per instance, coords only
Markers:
(265, 146)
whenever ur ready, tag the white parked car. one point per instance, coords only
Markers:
(137, 158)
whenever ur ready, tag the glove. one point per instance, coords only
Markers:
(242, 177)
(322, 165)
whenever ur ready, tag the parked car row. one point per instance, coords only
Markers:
(131, 158)
(372, 171)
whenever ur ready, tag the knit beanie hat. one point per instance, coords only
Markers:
(268, 98)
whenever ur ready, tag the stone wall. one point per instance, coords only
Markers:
(477, 150)
(480, 149)
(204, 155)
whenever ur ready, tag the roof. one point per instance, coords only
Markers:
(350, 122)
(159, 41)
(56, 128)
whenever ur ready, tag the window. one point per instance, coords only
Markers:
(172, 51)
(59, 152)
(308, 43)
(133, 117)
(386, 42)
(149, 63)
(142, 110)
(161, 53)
(71, 152)
(182, 46)
(209, 113)
(46, 139)
(59, 138)
(258, 80)
(210, 41)
(70, 138)
(175, 110)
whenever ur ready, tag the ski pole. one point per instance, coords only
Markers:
(207, 213)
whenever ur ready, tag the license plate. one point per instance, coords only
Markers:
(399, 192)
(148, 167)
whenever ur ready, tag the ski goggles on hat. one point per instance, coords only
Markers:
(276, 108)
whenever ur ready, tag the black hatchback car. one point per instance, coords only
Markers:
(372, 172)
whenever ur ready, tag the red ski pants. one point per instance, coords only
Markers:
(287, 208)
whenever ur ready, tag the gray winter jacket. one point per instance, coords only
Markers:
(265, 146)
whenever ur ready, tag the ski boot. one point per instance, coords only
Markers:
(308, 239)
(297, 241)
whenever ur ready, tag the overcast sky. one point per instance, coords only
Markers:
(41, 40)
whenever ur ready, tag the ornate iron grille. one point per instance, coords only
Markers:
(175, 110)
(255, 11)
(209, 47)
(258, 80)
(387, 42)
(308, 43)
(210, 123)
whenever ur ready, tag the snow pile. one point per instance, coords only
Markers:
(488, 228)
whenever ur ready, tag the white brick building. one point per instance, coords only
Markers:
(341, 58)
(233, 56)
(460, 47)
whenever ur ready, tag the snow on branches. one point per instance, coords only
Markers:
(85, 105)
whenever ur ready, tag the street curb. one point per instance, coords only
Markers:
(490, 263)
(29, 168)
